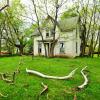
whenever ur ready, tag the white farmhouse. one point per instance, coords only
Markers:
(67, 36)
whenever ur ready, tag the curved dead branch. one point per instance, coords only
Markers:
(4, 77)
(45, 88)
(70, 75)
(1, 95)
(85, 79)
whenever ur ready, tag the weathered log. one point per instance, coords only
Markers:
(85, 79)
(70, 75)
(45, 88)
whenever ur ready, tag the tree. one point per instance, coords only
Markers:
(89, 27)
(2, 20)
(53, 11)
(13, 31)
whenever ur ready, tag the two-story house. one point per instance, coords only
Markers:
(67, 36)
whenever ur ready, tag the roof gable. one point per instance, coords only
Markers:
(64, 25)
(68, 24)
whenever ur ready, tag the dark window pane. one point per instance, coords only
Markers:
(62, 49)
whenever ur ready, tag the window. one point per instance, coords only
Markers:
(39, 48)
(47, 34)
(51, 31)
(62, 47)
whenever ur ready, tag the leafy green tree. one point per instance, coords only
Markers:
(69, 13)
(14, 26)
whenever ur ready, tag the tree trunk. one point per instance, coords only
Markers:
(91, 46)
(45, 49)
(0, 41)
(52, 48)
(83, 45)
(99, 44)
(0, 46)
(21, 50)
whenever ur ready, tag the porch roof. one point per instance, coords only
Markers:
(47, 41)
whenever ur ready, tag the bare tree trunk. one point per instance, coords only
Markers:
(83, 42)
(0, 46)
(1, 35)
(54, 29)
(99, 43)
(86, 27)
(38, 23)
(97, 38)
(52, 48)
(0, 43)
(21, 48)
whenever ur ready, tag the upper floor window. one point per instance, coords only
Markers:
(51, 31)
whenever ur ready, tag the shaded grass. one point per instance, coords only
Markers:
(28, 87)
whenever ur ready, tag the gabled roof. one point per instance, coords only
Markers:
(36, 32)
(64, 25)
(68, 24)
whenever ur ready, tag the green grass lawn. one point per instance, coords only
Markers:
(28, 87)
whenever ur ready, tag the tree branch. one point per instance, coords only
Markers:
(85, 79)
(70, 75)
(5, 5)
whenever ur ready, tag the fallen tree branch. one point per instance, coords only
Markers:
(7, 80)
(3, 95)
(45, 88)
(85, 79)
(51, 77)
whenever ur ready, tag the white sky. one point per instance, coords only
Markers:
(29, 6)
(30, 12)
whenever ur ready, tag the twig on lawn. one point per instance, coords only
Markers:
(3, 77)
(3, 95)
(45, 88)
(85, 79)
(82, 86)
